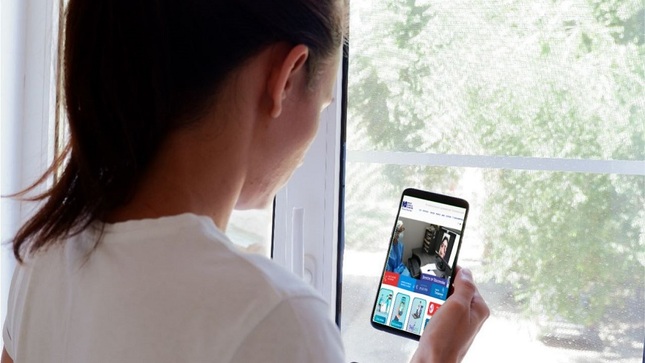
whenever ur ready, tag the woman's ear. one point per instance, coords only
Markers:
(284, 74)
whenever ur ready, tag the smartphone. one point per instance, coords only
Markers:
(420, 263)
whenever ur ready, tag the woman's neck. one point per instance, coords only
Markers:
(191, 174)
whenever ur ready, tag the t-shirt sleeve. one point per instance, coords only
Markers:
(297, 330)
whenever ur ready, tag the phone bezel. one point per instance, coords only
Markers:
(434, 197)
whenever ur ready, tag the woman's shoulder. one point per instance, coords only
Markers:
(283, 282)
(200, 255)
(182, 277)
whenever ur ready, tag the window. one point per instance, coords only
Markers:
(534, 113)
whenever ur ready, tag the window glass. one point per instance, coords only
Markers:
(512, 94)
(547, 79)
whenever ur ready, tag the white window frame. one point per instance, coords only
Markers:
(28, 48)
(588, 166)
(306, 216)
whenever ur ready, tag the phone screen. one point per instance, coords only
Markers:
(421, 260)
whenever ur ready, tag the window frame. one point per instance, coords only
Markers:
(307, 231)
(28, 61)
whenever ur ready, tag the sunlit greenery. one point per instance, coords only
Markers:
(551, 79)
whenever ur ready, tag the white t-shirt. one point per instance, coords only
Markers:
(172, 289)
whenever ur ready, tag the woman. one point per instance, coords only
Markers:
(179, 112)
(443, 248)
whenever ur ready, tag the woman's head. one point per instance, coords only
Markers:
(443, 247)
(134, 72)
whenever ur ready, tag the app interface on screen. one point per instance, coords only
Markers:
(417, 273)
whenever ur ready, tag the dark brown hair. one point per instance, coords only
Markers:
(133, 71)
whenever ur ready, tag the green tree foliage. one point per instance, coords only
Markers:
(550, 79)
(569, 243)
(573, 251)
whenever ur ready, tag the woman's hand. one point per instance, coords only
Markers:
(454, 326)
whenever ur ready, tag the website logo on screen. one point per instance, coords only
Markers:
(407, 206)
